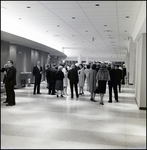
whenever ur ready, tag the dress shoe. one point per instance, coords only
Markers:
(109, 101)
(38, 93)
(57, 96)
(5, 102)
(8, 105)
(91, 99)
(62, 96)
(101, 103)
(116, 100)
(94, 100)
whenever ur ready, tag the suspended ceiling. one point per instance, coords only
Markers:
(98, 29)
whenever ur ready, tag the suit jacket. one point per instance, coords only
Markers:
(113, 77)
(36, 72)
(11, 76)
(119, 75)
(51, 74)
(73, 76)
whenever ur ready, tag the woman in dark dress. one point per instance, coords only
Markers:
(102, 77)
(59, 81)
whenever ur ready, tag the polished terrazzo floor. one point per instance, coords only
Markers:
(47, 122)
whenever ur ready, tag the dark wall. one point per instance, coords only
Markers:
(24, 59)
(5, 46)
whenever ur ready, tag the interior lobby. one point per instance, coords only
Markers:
(55, 32)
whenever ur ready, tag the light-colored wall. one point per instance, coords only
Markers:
(140, 78)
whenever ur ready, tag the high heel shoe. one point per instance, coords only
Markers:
(101, 103)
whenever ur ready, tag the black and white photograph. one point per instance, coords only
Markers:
(73, 74)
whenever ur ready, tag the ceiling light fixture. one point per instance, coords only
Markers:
(97, 4)
(19, 18)
(127, 16)
(125, 30)
(58, 26)
(28, 7)
(73, 17)
(105, 25)
(86, 31)
(107, 30)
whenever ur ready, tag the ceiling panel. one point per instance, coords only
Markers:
(95, 30)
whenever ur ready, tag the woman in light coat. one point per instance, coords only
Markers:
(87, 72)
(92, 81)
(81, 75)
(65, 80)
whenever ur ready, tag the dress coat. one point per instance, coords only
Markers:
(87, 72)
(81, 75)
(92, 80)
(65, 80)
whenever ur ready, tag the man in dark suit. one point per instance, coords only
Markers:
(37, 72)
(10, 82)
(112, 84)
(124, 72)
(73, 78)
(119, 77)
(51, 79)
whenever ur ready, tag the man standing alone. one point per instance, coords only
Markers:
(10, 82)
(37, 72)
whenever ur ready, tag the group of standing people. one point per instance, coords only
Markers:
(96, 77)
(58, 77)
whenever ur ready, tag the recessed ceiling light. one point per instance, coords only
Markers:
(86, 31)
(56, 35)
(73, 17)
(28, 7)
(58, 26)
(127, 16)
(97, 4)
(72, 35)
(107, 30)
(46, 31)
(105, 25)
(125, 30)
(19, 18)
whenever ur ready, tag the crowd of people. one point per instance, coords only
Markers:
(94, 76)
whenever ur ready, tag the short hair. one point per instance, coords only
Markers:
(11, 61)
(117, 66)
(94, 66)
(60, 67)
(81, 65)
(88, 66)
